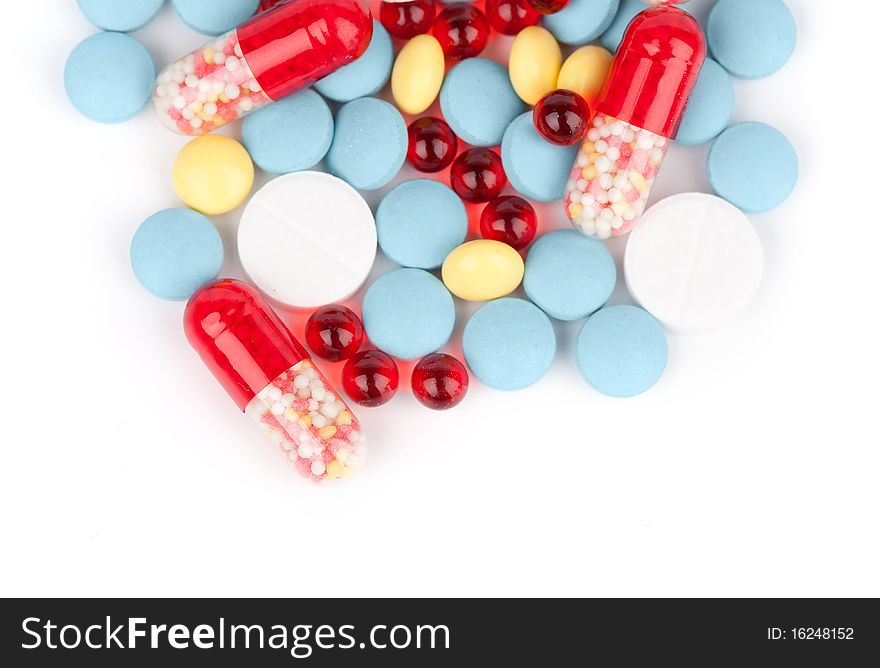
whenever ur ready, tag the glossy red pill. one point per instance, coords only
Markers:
(509, 219)
(432, 144)
(462, 30)
(370, 378)
(407, 18)
(562, 117)
(334, 333)
(440, 381)
(477, 175)
(509, 17)
(548, 6)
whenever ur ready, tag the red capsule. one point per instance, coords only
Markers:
(462, 30)
(548, 6)
(270, 377)
(509, 17)
(477, 175)
(439, 381)
(509, 219)
(638, 112)
(271, 55)
(334, 333)
(654, 71)
(562, 117)
(370, 378)
(432, 144)
(407, 18)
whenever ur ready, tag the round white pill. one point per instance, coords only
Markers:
(694, 262)
(307, 239)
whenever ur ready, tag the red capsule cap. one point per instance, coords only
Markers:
(293, 44)
(655, 70)
(239, 338)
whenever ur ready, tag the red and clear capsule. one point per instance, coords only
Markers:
(271, 378)
(638, 112)
(277, 52)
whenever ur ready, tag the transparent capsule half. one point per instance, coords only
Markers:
(208, 88)
(612, 177)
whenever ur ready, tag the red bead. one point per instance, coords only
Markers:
(548, 6)
(440, 381)
(407, 19)
(370, 378)
(462, 30)
(511, 220)
(477, 175)
(334, 333)
(432, 144)
(510, 16)
(562, 117)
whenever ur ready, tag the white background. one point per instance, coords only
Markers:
(751, 469)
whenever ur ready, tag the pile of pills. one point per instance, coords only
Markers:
(578, 115)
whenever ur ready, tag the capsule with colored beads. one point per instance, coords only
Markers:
(279, 51)
(638, 113)
(270, 376)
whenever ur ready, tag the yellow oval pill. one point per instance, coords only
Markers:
(584, 71)
(213, 174)
(535, 60)
(482, 270)
(417, 74)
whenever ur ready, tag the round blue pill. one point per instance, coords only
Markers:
(478, 101)
(370, 143)
(420, 222)
(120, 16)
(582, 21)
(622, 351)
(753, 166)
(509, 344)
(365, 76)
(751, 38)
(290, 135)
(710, 107)
(569, 275)
(408, 313)
(535, 167)
(109, 77)
(215, 17)
(176, 251)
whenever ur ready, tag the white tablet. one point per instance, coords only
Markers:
(307, 239)
(694, 261)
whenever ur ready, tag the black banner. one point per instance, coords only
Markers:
(330, 632)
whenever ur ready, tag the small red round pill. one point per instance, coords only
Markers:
(509, 219)
(562, 117)
(477, 175)
(548, 6)
(407, 19)
(432, 144)
(440, 381)
(334, 333)
(462, 30)
(370, 378)
(509, 17)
